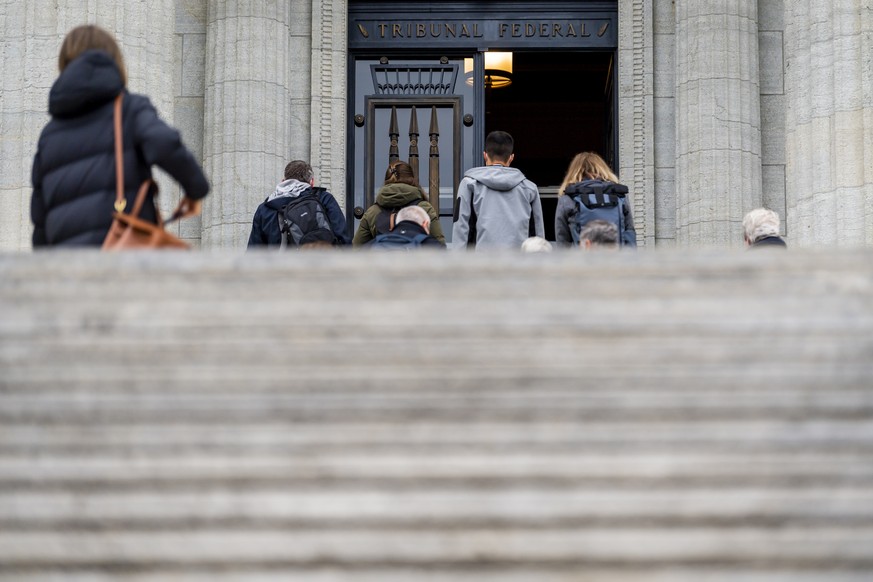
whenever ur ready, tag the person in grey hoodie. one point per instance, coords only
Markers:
(496, 207)
(299, 178)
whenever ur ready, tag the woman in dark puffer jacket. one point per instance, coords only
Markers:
(74, 166)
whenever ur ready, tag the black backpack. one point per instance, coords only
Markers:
(598, 200)
(304, 220)
(386, 218)
(396, 241)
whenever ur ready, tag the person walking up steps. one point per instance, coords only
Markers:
(496, 207)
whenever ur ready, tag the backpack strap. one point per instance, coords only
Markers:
(391, 211)
(471, 233)
(283, 241)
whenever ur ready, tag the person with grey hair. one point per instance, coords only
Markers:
(761, 229)
(536, 244)
(598, 234)
(411, 230)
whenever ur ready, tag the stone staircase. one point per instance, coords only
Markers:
(645, 416)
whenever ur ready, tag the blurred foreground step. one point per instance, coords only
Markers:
(647, 416)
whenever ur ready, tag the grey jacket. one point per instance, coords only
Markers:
(504, 203)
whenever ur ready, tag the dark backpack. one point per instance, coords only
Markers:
(387, 216)
(598, 200)
(304, 220)
(397, 241)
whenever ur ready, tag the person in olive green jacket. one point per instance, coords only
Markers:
(400, 189)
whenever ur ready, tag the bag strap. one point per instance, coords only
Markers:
(120, 200)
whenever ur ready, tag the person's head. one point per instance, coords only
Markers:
(498, 148)
(587, 166)
(415, 214)
(316, 245)
(300, 171)
(536, 244)
(90, 37)
(760, 223)
(598, 234)
(400, 172)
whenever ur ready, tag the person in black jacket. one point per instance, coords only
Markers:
(299, 179)
(73, 175)
(413, 224)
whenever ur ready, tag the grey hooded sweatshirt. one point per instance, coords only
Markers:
(504, 203)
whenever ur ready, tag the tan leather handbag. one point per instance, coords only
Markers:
(128, 231)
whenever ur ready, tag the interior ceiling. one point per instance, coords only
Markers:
(556, 107)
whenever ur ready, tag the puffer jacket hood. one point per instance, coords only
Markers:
(89, 81)
(397, 195)
(498, 178)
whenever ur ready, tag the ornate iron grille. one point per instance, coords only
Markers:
(414, 80)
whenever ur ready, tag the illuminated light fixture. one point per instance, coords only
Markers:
(498, 70)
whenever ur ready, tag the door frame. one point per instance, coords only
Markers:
(417, 31)
(374, 102)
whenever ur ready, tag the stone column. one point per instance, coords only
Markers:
(32, 33)
(328, 99)
(636, 143)
(247, 127)
(718, 135)
(829, 122)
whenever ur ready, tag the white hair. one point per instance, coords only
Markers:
(760, 223)
(599, 233)
(536, 244)
(415, 214)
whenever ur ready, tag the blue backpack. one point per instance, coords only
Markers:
(398, 242)
(598, 200)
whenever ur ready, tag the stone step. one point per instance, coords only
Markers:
(415, 468)
(649, 416)
(439, 508)
(418, 431)
(776, 547)
(514, 572)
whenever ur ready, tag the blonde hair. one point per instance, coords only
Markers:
(587, 166)
(90, 37)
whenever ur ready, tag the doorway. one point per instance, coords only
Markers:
(552, 119)
(420, 90)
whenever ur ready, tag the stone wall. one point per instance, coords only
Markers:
(829, 122)
(190, 62)
(772, 68)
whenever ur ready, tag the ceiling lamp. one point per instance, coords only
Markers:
(498, 70)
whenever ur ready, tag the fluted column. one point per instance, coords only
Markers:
(328, 98)
(829, 122)
(718, 129)
(247, 120)
(32, 33)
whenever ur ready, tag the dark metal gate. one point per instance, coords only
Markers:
(409, 110)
